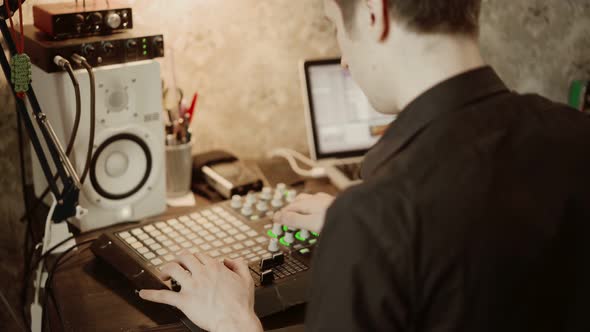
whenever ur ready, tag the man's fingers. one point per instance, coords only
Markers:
(161, 296)
(303, 206)
(302, 196)
(297, 220)
(190, 262)
(177, 272)
(239, 267)
(204, 258)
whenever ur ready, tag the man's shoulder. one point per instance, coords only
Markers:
(519, 111)
(380, 206)
(372, 193)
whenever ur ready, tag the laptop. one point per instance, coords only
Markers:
(341, 124)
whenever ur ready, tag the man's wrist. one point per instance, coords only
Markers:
(246, 322)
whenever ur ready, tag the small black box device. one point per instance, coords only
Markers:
(75, 19)
(226, 173)
(128, 46)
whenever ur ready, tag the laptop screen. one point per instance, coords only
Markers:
(343, 122)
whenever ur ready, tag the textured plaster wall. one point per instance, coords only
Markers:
(242, 55)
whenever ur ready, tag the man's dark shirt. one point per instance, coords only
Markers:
(474, 216)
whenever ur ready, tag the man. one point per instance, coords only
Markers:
(474, 211)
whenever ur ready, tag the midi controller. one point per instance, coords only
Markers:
(278, 256)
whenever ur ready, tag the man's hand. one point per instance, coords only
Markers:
(216, 296)
(306, 211)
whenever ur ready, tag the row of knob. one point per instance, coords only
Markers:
(108, 47)
(289, 237)
(265, 202)
(112, 20)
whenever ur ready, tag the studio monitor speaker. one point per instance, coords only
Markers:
(126, 179)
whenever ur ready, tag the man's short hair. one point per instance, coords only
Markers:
(428, 16)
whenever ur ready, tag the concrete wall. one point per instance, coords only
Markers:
(241, 55)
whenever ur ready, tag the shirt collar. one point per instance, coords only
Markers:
(452, 94)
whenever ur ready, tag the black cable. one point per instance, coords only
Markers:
(88, 68)
(49, 290)
(68, 68)
(31, 272)
(28, 211)
(32, 268)
(74, 133)
(50, 278)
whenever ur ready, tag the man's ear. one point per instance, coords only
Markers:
(379, 18)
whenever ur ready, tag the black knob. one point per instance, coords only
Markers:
(88, 50)
(108, 47)
(159, 42)
(94, 18)
(79, 19)
(159, 45)
(132, 43)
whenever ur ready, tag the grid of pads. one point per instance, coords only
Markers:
(214, 231)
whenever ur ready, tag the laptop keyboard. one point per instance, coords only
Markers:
(351, 170)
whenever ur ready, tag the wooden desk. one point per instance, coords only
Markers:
(92, 296)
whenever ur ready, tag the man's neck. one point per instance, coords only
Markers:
(428, 61)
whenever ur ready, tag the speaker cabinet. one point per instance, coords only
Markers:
(126, 179)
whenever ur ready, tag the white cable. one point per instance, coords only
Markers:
(292, 156)
(60, 61)
(301, 157)
(36, 308)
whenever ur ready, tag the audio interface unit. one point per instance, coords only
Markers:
(128, 46)
(71, 19)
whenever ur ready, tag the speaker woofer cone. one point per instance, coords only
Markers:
(103, 183)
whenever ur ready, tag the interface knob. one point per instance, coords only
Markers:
(251, 198)
(266, 193)
(246, 210)
(277, 229)
(273, 245)
(289, 238)
(236, 201)
(291, 194)
(113, 20)
(276, 203)
(304, 234)
(159, 44)
(79, 19)
(262, 206)
(94, 18)
(88, 50)
(108, 47)
(281, 188)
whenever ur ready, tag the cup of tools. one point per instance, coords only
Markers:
(179, 168)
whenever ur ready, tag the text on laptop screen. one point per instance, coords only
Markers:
(344, 120)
